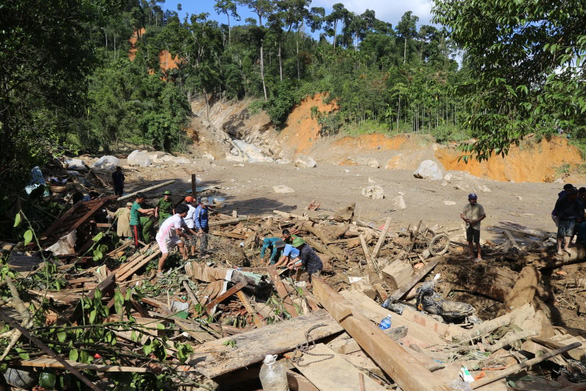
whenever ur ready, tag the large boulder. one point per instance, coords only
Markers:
(107, 163)
(429, 169)
(305, 161)
(283, 189)
(139, 158)
(75, 164)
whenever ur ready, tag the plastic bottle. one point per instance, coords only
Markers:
(385, 323)
(273, 375)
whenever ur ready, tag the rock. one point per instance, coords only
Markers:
(428, 169)
(21, 378)
(305, 161)
(370, 162)
(371, 181)
(449, 203)
(345, 214)
(181, 160)
(208, 156)
(373, 192)
(399, 203)
(139, 158)
(107, 163)
(252, 153)
(448, 177)
(75, 164)
(283, 189)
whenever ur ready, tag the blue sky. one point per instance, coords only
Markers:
(386, 10)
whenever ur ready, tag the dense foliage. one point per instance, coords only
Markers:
(526, 63)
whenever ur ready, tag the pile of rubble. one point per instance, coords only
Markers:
(98, 313)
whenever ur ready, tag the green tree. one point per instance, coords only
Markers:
(228, 8)
(526, 61)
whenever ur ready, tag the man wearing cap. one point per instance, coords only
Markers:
(472, 215)
(309, 259)
(164, 207)
(275, 246)
(170, 234)
(140, 219)
(568, 211)
(190, 241)
(202, 226)
(289, 254)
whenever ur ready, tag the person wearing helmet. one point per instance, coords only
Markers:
(472, 215)
(308, 259)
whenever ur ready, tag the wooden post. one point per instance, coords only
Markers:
(403, 368)
(133, 194)
(193, 186)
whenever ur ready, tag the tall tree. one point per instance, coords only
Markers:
(295, 13)
(228, 8)
(262, 8)
(407, 29)
(527, 62)
(338, 15)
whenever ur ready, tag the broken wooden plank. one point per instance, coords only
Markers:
(406, 287)
(388, 354)
(332, 372)
(510, 338)
(225, 295)
(372, 310)
(381, 238)
(105, 287)
(232, 221)
(371, 262)
(230, 235)
(136, 266)
(525, 364)
(282, 291)
(257, 319)
(222, 356)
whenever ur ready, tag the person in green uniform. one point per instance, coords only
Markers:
(164, 207)
(140, 220)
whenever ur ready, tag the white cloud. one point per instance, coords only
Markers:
(386, 10)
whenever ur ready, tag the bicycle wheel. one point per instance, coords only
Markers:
(439, 244)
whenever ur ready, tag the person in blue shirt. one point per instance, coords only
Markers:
(275, 245)
(289, 253)
(202, 227)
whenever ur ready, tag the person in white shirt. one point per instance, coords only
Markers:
(170, 233)
(191, 240)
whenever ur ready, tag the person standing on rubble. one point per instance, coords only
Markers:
(140, 219)
(472, 215)
(164, 207)
(202, 226)
(190, 221)
(568, 211)
(123, 229)
(308, 259)
(118, 181)
(275, 246)
(170, 234)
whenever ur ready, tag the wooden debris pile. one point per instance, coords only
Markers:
(208, 323)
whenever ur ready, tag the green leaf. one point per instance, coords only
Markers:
(92, 318)
(98, 237)
(17, 220)
(73, 354)
(28, 237)
(62, 336)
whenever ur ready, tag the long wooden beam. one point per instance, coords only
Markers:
(403, 368)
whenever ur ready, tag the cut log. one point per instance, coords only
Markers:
(332, 372)
(509, 339)
(282, 291)
(225, 295)
(46, 362)
(154, 187)
(524, 290)
(381, 238)
(218, 357)
(493, 282)
(246, 303)
(398, 274)
(389, 355)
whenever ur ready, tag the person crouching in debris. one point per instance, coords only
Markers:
(275, 246)
(308, 259)
(568, 211)
(289, 253)
(190, 221)
(472, 215)
(140, 219)
(170, 234)
(202, 225)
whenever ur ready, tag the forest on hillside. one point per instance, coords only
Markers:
(68, 85)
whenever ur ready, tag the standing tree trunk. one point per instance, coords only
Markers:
(262, 72)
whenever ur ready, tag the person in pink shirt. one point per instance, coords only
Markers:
(170, 233)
